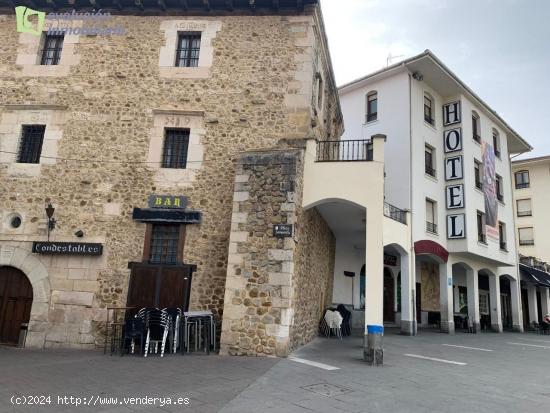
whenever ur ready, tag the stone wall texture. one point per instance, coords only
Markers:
(258, 91)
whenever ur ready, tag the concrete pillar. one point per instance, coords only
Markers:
(373, 351)
(446, 298)
(533, 305)
(544, 300)
(517, 316)
(494, 302)
(408, 324)
(473, 298)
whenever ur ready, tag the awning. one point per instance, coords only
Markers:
(534, 275)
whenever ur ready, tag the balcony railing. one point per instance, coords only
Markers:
(482, 238)
(503, 245)
(500, 197)
(477, 138)
(522, 185)
(429, 170)
(479, 185)
(431, 227)
(395, 213)
(344, 151)
(525, 213)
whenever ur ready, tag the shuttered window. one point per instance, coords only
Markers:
(526, 236)
(524, 207)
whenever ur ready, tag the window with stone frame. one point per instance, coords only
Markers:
(51, 51)
(164, 243)
(188, 49)
(30, 147)
(176, 145)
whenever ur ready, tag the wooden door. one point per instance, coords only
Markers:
(389, 297)
(175, 287)
(15, 303)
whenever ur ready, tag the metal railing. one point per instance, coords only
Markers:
(525, 213)
(500, 197)
(503, 245)
(479, 185)
(431, 227)
(395, 213)
(429, 170)
(482, 238)
(526, 242)
(477, 138)
(522, 185)
(344, 150)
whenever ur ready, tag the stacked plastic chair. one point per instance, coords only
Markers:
(157, 324)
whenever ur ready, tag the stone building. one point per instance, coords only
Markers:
(168, 143)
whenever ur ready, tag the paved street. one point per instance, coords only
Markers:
(432, 372)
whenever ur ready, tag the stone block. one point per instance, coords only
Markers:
(73, 297)
(85, 285)
(239, 217)
(280, 255)
(241, 178)
(278, 278)
(77, 273)
(241, 196)
(239, 236)
(287, 266)
(35, 340)
(61, 285)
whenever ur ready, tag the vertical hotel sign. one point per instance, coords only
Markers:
(489, 191)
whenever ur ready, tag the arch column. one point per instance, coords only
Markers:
(517, 317)
(37, 274)
(494, 302)
(472, 287)
(408, 316)
(446, 297)
(533, 305)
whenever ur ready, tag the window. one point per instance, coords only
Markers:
(522, 179)
(431, 216)
(164, 243)
(481, 237)
(502, 235)
(51, 53)
(498, 183)
(476, 128)
(372, 106)
(319, 91)
(526, 236)
(31, 143)
(524, 208)
(496, 143)
(428, 109)
(477, 174)
(429, 163)
(188, 49)
(176, 142)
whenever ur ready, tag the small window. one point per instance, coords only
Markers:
(428, 109)
(477, 174)
(499, 187)
(429, 161)
(372, 106)
(320, 91)
(188, 49)
(431, 216)
(481, 236)
(176, 143)
(32, 137)
(164, 245)
(502, 235)
(522, 179)
(496, 143)
(51, 53)
(524, 208)
(526, 236)
(476, 127)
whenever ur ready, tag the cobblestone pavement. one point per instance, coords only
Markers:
(429, 373)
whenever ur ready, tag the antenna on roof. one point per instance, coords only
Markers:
(390, 58)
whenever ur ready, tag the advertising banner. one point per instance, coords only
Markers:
(489, 190)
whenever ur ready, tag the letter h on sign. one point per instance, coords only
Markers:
(451, 113)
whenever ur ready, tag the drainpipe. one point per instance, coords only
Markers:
(412, 270)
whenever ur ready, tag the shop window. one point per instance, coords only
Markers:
(188, 49)
(30, 148)
(176, 144)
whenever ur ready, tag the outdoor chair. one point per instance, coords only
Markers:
(334, 320)
(346, 319)
(199, 325)
(157, 324)
(134, 329)
(174, 333)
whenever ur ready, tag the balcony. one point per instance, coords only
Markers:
(344, 151)
(431, 227)
(395, 213)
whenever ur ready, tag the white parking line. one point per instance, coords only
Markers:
(533, 340)
(313, 363)
(528, 345)
(466, 347)
(458, 363)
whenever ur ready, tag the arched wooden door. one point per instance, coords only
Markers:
(389, 297)
(15, 303)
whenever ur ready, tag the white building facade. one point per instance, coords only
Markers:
(447, 161)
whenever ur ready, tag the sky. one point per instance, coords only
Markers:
(499, 48)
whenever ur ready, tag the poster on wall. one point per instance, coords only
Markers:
(489, 191)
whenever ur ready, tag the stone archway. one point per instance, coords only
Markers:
(37, 274)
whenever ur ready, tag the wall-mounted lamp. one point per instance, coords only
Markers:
(51, 221)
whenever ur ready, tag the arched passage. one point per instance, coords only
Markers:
(15, 303)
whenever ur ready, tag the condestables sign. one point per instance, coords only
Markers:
(67, 248)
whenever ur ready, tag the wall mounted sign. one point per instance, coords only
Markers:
(451, 113)
(455, 196)
(456, 226)
(167, 201)
(167, 215)
(453, 168)
(282, 230)
(452, 140)
(67, 248)
(390, 260)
